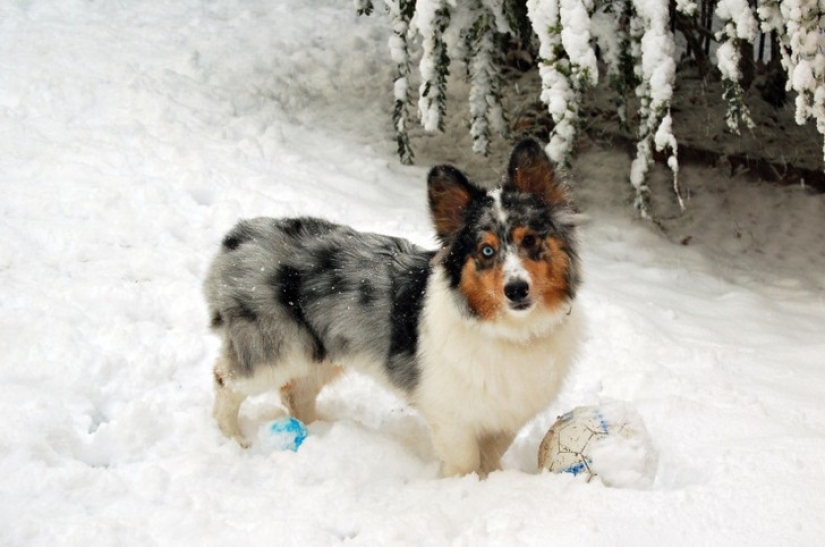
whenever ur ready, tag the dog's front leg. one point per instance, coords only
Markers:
(457, 447)
(491, 448)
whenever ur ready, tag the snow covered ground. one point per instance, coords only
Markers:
(134, 134)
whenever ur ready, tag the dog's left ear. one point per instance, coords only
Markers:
(530, 171)
(449, 193)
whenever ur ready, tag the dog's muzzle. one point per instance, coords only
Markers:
(518, 294)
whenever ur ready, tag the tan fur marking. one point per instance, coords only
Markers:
(483, 289)
(492, 447)
(550, 274)
(287, 387)
(218, 377)
(299, 394)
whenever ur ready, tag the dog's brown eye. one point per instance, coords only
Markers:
(528, 241)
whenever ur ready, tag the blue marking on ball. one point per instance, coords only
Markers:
(603, 423)
(577, 468)
(283, 434)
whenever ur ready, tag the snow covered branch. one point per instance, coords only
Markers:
(738, 23)
(363, 7)
(636, 49)
(800, 25)
(400, 13)
(656, 73)
(432, 17)
(483, 62)
(567, 66)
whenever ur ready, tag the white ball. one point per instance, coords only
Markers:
(607, 441)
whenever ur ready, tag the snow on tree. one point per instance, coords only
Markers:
(738, 23)
(656, 72)
(637, 52)
(432, 17)
(363, 7)
(634, 31)
(400, 13)
(610, 25)
(800, 25)
(567, 66)
(483, 62)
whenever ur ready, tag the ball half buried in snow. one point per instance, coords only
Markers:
(608, 441)
(282, 434)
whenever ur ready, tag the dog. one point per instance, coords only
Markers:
(477, 335)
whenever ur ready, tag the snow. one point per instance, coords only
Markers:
(557, 91)
(133, 135)
(567, 66)
(431, 20)
(574, 16)
(802, 54)
(738, 19)
(625, 457)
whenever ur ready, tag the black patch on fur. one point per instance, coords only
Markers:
(407, 302)
(573, 278)
(536, 253)
(304, 226)
(527, 210)
(366, 293)
(329, 267)
(327, 260)
(292, 226)
(217, 320)
(465, 242)
(455, 259)
(236, 237)
(288, 282)
(243, 311)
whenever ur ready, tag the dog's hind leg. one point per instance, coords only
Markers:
(228, 402)
(299, 394)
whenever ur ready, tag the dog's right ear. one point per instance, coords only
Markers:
(531, 172)
(450, 193)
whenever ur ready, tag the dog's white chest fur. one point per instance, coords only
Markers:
(475, 377)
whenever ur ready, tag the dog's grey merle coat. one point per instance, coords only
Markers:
(305, 282)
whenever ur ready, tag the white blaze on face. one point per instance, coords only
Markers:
(498, 210)
(513, 268)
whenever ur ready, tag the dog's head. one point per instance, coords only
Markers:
(508, 253)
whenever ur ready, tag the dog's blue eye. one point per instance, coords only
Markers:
(488, 251)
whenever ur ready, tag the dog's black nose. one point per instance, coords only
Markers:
(516, 291)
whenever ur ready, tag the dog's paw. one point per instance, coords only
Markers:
(235, 434)
(449, 470)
